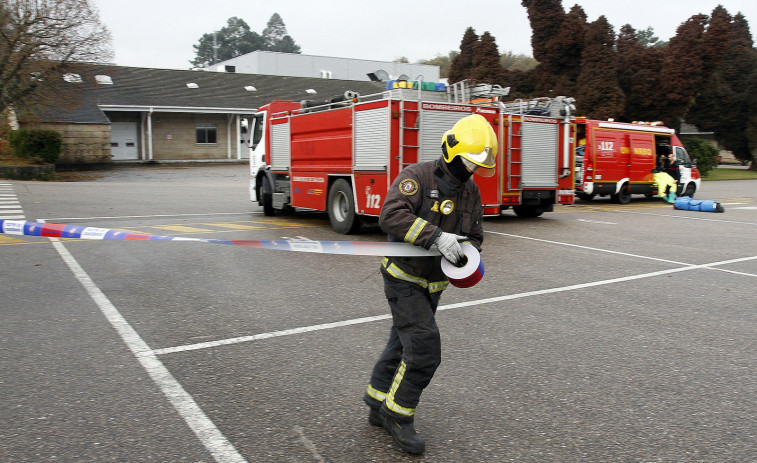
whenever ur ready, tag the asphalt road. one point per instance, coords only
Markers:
(600, 333)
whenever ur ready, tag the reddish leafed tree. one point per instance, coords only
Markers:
(726, 102)
(716, 38)
(557, 40)
(565, 48)
(545, 17)
(598, 94)
(486, 65)
(684, 66)
(640, 72)
(630, 54)
(462, 64)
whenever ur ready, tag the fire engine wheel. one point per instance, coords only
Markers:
(342, 208)
(528, 211)
(623, 196)
(267, 195)
(690, 190)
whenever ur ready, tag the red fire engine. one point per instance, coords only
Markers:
(617, 159)
(341, 156)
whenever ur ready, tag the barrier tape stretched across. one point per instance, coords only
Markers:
(464, 277)
(355, 248)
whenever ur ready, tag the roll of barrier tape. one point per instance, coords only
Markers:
(470, 273)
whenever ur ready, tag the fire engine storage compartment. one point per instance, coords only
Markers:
(539, 155)
(436, 119)
(342, 158)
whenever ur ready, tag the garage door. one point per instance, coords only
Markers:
(123, 141)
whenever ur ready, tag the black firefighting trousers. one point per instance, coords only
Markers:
(411, 355)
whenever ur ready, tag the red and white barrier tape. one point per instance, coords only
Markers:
(356, 248)
(463, 277)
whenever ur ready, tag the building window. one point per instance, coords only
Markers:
(206, 133)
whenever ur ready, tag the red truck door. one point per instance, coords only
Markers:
(612, 156)
(642, 157)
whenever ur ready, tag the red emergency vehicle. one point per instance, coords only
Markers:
(341, 156)
(617, 159)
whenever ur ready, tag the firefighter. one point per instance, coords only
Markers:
(430, 203)
(675, 172)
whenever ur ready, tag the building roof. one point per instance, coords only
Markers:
(119, 88)
(302, 65)
(690, 129)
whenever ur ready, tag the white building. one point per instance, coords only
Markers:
(325, 67)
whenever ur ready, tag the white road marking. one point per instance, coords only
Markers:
(560, 243)
(687, 217)
(326, 326)
(594, 283)
(596, 221)
(10, 206)
(272, 334)
(309, 444)
(210, 436)
(56, 219)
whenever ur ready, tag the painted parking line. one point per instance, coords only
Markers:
(152, 216)
(238, 226)
(588, 248)
(601, 222)
(206, 431)
(6, 240)
(10, 206)
(305, 329)
(705, 219)
(683, 266)
(477, 302)
(183, 229)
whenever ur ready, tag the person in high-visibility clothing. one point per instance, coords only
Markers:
(429, 203)
(666, 186)
(674, 171)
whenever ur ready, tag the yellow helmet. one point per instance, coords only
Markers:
(473, 139)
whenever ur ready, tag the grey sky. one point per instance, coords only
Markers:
(160, 33)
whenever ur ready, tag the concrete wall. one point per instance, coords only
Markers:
(82, 143)
(174, 136)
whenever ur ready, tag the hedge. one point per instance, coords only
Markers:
(45, 145)
(702, 152)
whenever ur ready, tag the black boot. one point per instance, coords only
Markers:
(374, 417)
(404, 435)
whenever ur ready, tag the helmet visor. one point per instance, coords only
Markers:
(484, 160)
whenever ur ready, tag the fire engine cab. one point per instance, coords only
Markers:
(341, 155)
(617, 159)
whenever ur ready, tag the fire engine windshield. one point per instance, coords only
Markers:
(257, 129)
(682, 156)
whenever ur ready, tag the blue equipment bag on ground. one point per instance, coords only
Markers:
(687, 204)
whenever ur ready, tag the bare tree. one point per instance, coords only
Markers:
(40, 42)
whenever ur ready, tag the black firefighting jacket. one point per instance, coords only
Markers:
(424, 200)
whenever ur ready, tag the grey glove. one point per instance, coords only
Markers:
(448, 244)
